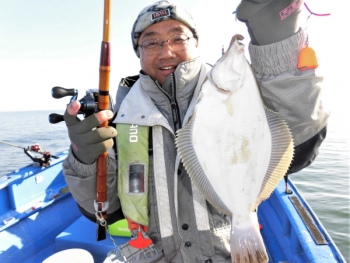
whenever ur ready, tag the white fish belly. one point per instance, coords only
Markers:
(235, 151)
(232, 141)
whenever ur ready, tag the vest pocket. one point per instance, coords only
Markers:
(136, 178)
(220, 225)
(221, 241)
(206, 243)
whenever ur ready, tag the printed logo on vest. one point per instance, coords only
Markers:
(133, 137)
(290, 9)
(160, 14)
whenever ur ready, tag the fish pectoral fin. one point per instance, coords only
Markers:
(281, 154)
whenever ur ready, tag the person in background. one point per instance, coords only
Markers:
(181, 224)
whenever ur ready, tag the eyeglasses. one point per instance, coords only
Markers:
(154, 46)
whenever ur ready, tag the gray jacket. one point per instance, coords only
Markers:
(182, 224)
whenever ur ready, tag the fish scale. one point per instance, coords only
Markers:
(235, 150)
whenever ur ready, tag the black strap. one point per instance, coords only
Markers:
(111, 218)
(129, 81)
(305, 153)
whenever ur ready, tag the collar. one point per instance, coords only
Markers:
(141, 105)
(179, 79)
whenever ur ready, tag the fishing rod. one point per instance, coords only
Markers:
(101, 203)
(93, 102)
(45, 160)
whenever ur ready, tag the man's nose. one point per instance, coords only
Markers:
(163, 43)
(166, 50)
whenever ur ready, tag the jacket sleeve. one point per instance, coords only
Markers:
(81, 180)
(296, 95)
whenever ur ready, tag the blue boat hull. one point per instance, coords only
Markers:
(39, 218)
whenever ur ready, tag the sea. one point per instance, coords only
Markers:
(324, 184)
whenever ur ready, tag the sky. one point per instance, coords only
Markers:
(47, 43)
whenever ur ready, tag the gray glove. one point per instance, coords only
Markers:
(87, 142)
(270, 21)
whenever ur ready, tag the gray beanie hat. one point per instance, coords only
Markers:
(160, 11)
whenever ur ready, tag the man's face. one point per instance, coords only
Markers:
(160, 65)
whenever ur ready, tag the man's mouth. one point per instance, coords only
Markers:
(167, 68)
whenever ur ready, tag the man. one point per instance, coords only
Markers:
(181, 224)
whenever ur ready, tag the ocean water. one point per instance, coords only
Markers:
(25, 129)
(324, 184)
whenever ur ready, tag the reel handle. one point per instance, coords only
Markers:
(59, 92)
(55, 118)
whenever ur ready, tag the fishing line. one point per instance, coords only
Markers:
(308, 9)
(307, 55)
(312, 13)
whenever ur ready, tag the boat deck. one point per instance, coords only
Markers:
(38, 218)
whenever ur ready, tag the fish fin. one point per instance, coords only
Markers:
(190, 161)
(246, 242)
(281, 154)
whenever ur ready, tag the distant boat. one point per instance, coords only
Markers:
(39, 217)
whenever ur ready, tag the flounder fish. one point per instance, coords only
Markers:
(236, 150)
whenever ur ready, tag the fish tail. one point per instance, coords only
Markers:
(247, 244)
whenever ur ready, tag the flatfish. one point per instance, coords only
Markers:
(235, 149)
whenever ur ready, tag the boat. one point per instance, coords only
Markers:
(39, 218)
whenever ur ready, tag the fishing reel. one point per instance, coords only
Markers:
(88, 102)
(44, 160)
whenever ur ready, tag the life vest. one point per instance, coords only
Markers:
(133, 171)
(152, 120)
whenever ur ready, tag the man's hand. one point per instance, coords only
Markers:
(88, 141)
(270, 21)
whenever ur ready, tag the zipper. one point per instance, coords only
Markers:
(173, 103)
